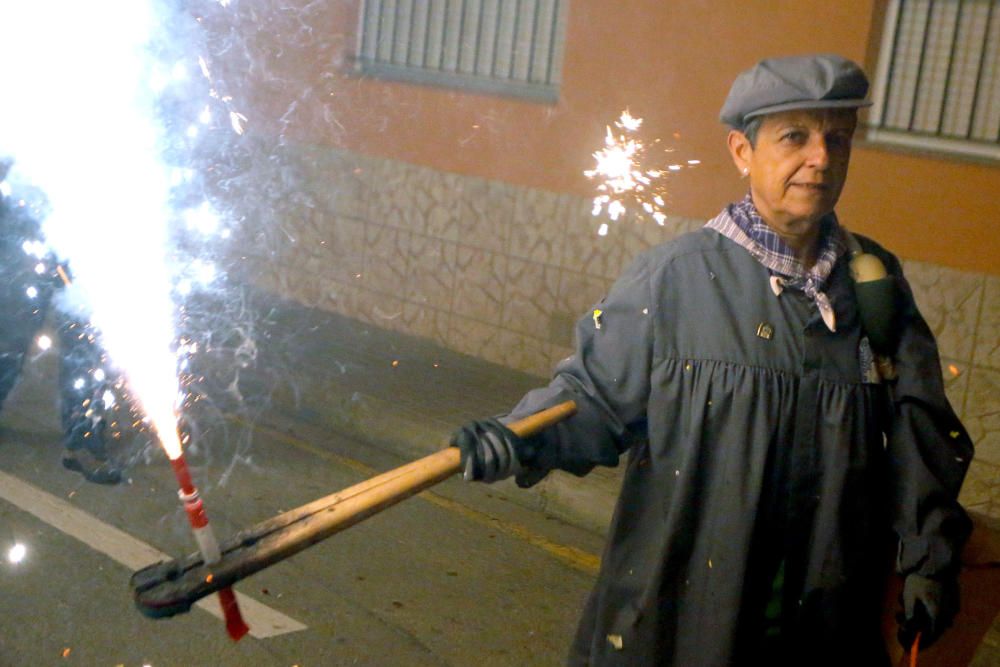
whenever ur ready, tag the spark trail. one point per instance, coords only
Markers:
(626, 181)
(84, 128)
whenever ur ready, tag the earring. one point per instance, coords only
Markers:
(746, 171)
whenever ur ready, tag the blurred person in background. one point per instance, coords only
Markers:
(29, 283)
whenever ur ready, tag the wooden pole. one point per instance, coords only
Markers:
(168, 588)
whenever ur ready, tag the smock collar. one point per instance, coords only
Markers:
(741, 223)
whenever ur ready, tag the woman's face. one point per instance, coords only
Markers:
(797, 167)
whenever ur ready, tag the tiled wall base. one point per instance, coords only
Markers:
(502, 272)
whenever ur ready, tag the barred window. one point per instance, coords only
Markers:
(506, 47)
(938, 80)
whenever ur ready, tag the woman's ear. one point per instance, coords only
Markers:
(740, 150)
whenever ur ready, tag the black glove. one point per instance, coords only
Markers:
(491, 451)
(929, 607)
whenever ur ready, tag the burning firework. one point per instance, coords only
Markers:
(624, 182)
(109, 194)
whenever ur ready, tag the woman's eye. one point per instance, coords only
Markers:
(839, 140)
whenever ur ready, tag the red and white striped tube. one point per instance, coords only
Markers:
(208, 545)
(203, 533)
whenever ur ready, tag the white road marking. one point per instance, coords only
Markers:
(132, 553)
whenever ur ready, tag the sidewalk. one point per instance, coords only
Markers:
(401, 393)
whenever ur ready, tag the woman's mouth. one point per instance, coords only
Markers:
(811, 190)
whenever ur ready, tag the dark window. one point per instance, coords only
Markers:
(938, 79)
(507, 47)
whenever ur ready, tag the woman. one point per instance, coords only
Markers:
(769, 460)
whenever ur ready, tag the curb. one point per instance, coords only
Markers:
(586, 502)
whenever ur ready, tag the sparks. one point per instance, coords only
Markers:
(625, 184)
(114, 137)
(124, 254)
(237, 120)
(44, 342)
(133, 238)
(36, 249)
(17, 553)
(203, 272)
(202, 219)
(178, 73)
(629, 122)
(179, 176)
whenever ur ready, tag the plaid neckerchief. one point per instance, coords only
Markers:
(741, 223)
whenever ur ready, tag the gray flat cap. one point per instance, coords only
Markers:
(822, 81)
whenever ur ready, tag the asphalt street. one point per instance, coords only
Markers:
(455, 576)
(463, 574)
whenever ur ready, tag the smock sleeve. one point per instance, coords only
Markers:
(929, 451)
(608, 377)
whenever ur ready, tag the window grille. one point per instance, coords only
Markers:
(507, 47)
(938, 80)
